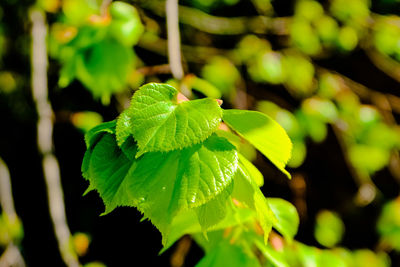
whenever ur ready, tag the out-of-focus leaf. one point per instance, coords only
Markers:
(329, 228)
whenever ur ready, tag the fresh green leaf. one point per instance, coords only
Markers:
(275, 257)
(93, 135)
(160, 184)
(161, 124)
(123, 127)
(215, 210)
(287, 219)
(262, 132)
(187, 223)
(254, 173)
(225, 254)
(247, 192)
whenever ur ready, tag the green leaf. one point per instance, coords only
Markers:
(215, 210)
(187, 222)
(93, 135)
(161, 124)
(226, 254)
(125, 25)
(254, 173)
(160, 184)
(275, 257)
(263, 133)
(329, 228)
(248, 193)
(104, 68)
(123, 127)
(287, 219)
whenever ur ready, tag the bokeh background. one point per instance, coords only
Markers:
(327, 71)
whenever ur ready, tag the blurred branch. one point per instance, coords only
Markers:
(154, 70)
(11, 256)
(385, 102)
(223, 25)
(182, 249)
(174, 42)
(366, 188)
(104, 6)
(51, 169)
(6, 198)
(384, 63)
(195, 54)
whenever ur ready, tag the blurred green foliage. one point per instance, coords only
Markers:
(96, 48)
(329, 228)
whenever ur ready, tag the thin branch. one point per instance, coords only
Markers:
(223, 25)
(51, 169)
(11, 256)
(104, 6)
(6, 198)
(174, 43)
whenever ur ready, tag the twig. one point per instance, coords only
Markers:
(103, 7)
(385, 102)
(51, 169)
(6, 199)
(195, 54)
(223, 25)
(11, 256)
(182, 249)
(384, 63)
(174, 43)
(154, 70)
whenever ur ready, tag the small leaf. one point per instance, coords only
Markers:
(160, 184)
(287, 219)
(263, 133)
(248, 193)
(92, 136)
(254, 173)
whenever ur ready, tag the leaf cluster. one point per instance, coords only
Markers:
(169, 160)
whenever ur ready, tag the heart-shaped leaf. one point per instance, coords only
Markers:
(161, 124)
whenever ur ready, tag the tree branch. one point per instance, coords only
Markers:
(11, 256)
(174, 49)
(51, 169)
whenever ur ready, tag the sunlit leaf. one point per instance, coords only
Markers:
(262, 132)
(287, 219)
(161, 124)
(159, 184)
